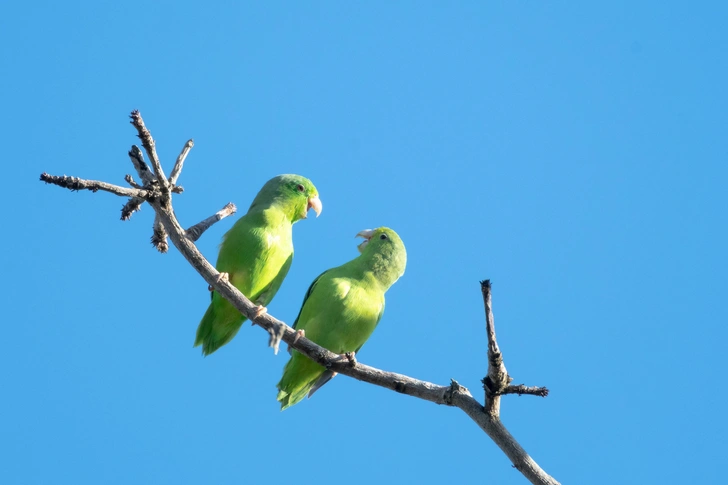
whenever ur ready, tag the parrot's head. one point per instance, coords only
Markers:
(294, 194)
(386, 252)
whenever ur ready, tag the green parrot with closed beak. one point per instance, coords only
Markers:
(341, 309)
(256, 254)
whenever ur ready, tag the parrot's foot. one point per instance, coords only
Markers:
(259, 310)
(351, 357)
(220, 277)
(299, 333)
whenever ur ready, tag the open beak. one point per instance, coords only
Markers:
(367, 235)
(315, 204)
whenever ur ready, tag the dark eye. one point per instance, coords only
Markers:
(301, 188)
(383, 236)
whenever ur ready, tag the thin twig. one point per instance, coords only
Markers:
(75, 183)
(521, 389)
(177, 169)
(194, 232)
(159, 236)
(130, 180)
(149, 146)
(497, 378)
(137, 159)
(133, 205)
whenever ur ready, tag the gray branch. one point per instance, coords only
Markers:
(177, 169)
(497, 379)
(133, 205)
(150, 147)
(159, 236)
(75, 184)
(496, 382)
(137, 159)
(194, 232)
(521, 389)
(130, 180)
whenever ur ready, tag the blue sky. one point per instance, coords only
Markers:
(573, 154)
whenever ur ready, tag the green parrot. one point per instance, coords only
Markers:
(341, 309)
(256, 254)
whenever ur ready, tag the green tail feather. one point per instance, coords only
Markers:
(218, 327)
(299, 376)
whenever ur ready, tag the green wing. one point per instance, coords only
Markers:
(266, 294)
(339, 313)
(308, 293)
(329, 374)
(255, 266)
(256, 253)
(341, 309)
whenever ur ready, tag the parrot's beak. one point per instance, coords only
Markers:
(315, 204)
(367, 235)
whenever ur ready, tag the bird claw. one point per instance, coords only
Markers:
(220, 278)
(351, 357)
(299, 333)
(258, 311)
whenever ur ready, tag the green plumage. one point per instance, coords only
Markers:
(341, 309)
(256, 253)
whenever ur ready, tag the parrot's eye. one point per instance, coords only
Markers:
(301, 188)
(383, 236)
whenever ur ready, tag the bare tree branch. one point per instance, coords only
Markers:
(196, 231)
(497, 379)
(137, 159)
(495, 383)
(133, 205)
(159, 236)
(177, 169)
(148, 143)
(521, 389)
(130, 180)
(75, 183)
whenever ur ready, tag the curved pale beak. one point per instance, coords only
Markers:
(315, 204)
(367, 235)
